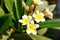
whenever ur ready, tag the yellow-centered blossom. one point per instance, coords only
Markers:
(37, 2)
(26, 19)
(31, 28)
(38, 17)
(48, 14)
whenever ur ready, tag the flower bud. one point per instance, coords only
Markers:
(32, 7)
(23, 4)
(27, 8)
(47, 13)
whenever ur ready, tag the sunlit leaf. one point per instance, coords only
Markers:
(9, 4)
(1, 11)
(37, 37)
(42, 31)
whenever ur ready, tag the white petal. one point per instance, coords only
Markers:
(24, 16)
(42, 14)
(34, 32)
(37, 25)
(28, 32)
(41, 2)
(30, 17)
(23, 24)
(43, 20)
(32, 22)
(47, 9)
(37, 11)
(37, 20)
(21, 21)
(34, 15)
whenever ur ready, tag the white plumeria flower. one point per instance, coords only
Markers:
(37, 1)
(38, 17)
(31, 28)
(49, 14)
(26, 19)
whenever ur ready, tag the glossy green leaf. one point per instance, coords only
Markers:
(19, 9)
(50, 23)
(42, 31)
(37, 37)
(5, 22)
(29, 3)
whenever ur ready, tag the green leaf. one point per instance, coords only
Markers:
(1, 11)
(15, 12)
(37, 37)
(29, 3)
(5, 22)
(50, 23)
(51, 7)
(42, 31)
(58, 28)
(19, 9)
(9, 4)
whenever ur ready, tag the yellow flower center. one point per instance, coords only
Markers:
(26, 20)
(39, 16)
(32, 27)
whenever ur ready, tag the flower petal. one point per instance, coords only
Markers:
(37, 25)
(34, 32)
(41, 2)
(24, 16)
(42, 14)
(32, 22)
(34, 15)
(47, 9)
(43, 20)
(30, 17)
(37, 20)
(28, 32)
(21, 21)
(37, 11)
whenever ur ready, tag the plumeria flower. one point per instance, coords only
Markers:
(31, 28)
(48, 13)
(26, 19)
(37, 2)
(38, 17)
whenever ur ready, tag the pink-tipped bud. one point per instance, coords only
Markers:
(27, 8)
(23, 4)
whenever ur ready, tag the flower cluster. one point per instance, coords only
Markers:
(29, 21)
(36, 17)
